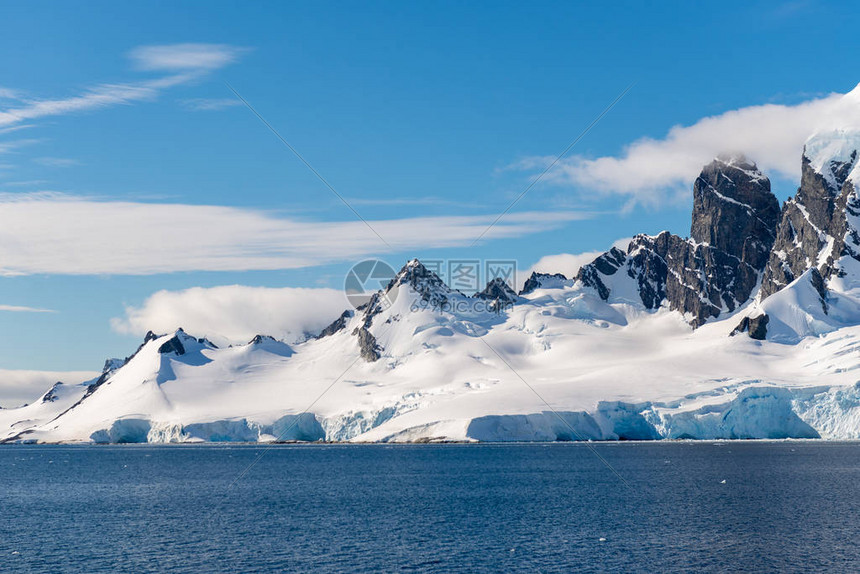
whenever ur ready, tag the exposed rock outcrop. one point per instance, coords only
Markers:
(756, 327)
(336, 325)
(715, 271)
(499, 292)
(542, 281)
(367, 345)
(818, 225)
(734, 210)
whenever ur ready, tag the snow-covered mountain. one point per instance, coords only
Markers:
(749, 328)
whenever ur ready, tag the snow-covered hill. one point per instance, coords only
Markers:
(748, 329)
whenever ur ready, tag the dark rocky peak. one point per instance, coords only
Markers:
(173, 345)
(182, 342)
(733, 227)
(498, 290)
(734, 210)
(828, 159)
(113, 364)
(543, 281)
(51, 395)
(261, 339)
(415, 276)
(816, 228)
(605, 265)
(422, 280)
(336, 325)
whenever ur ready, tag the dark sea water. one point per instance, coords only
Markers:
(784, 506)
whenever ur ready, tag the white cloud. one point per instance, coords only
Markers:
(235, 313)
(19, 387)
(185, 57)
(17, 128)
(23, 309)
(8, 94)
(181, 62)
(770, 134)
(99, 96)
(58, 234)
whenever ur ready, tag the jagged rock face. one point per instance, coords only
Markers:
(756, 327)
(113, 364)
(497, 290)
(425, 282)
(541, 281)
(367, 345)
(734, 220)
(51, 395)
(336, 325)
(695, 279)
(816, 227)
(607, 264)
(734, 210)
(173, 345)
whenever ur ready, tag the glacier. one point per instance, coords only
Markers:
(607, 371)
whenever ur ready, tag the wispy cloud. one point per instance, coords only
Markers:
(185, 57)
(209, 104)
(10, 129)
(179, 64)
(96, 97)
(235, 313)
(13, 145)
(56, 161)
(22, 309)
(58, 234)
(650, 170)
(408, 201)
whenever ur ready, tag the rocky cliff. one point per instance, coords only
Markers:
(733, 227)
(816, 229)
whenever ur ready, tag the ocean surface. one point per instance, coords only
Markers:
(761, 506)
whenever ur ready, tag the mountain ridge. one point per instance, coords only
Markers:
(637, 345)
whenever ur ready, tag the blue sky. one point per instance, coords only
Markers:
(116, 126)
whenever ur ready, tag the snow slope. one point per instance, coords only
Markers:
(560, 364)
(563, 360)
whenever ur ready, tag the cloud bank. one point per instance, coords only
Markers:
(19, 387)
(235, 313)
(771, 134)
(70, 235)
